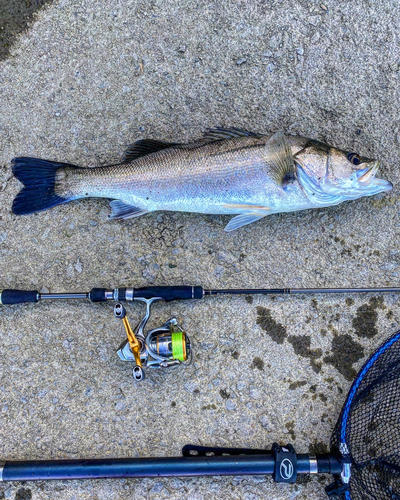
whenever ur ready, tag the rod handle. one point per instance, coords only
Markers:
(98, 294)
(169, 292)
(18, 296)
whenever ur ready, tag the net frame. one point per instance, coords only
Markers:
(367, 433)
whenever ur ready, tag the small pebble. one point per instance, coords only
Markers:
(70, 271)
(255, 394)
(314, 20)
(230, 405)
(78, 266)
(120, 406)
(157, 488)
(191, 386)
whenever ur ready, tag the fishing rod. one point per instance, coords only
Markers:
(364, 451)
(167, 345)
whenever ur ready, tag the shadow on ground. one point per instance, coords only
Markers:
(14, 18)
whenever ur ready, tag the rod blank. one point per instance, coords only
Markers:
(291, 291)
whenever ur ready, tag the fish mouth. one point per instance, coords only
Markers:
(368, 178)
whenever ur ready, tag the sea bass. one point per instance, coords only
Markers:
(228, 171)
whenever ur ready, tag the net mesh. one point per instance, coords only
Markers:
(369, 425)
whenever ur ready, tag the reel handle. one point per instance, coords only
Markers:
(18, 296)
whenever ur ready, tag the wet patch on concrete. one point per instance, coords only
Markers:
(290, 426)
(302, 347)
(318, 448)
(23, 494)
(345, 352)
(321, 396)
(303, 479)
(258, 363)
(364, 323)
(209, 407)
(14, 19)
(224, 394)
(295, 385)
(275, 330)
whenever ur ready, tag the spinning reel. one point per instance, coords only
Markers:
(162, 347)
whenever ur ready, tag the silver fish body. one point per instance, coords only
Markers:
(228, 172)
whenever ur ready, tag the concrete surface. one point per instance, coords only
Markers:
(86, 79)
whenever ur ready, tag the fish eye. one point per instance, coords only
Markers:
(354, 158)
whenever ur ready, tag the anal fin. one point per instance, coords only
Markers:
(121, 210)
(243, 220)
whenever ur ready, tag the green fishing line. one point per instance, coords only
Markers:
(177, 346)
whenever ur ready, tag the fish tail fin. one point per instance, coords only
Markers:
(39, 179)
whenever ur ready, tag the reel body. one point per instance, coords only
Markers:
(162, 347)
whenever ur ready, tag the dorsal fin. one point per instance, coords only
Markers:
(144, 147)
(279, 159)
(220, 134)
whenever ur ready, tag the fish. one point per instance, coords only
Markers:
(227, 171)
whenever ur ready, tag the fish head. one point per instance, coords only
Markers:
(338, 173)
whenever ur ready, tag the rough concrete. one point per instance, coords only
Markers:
(86, 79)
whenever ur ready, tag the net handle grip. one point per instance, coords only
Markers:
(9, 296)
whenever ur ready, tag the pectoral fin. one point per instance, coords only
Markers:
(121, 210)
(243, 220)
(279, 159)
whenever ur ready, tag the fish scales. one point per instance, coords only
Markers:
(229, 171)
(207, 176)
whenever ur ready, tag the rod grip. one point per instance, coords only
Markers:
(18, 296)
(169, 292)
(98, 294)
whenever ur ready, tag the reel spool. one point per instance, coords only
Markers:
(162, 347)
